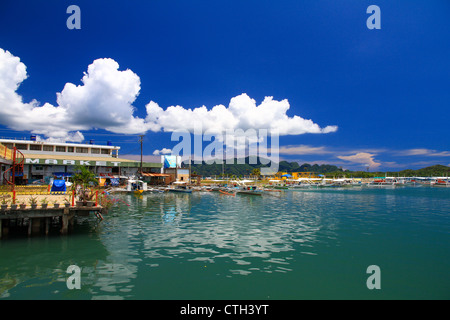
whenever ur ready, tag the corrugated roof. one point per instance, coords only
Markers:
(70, 157)
(155, 174)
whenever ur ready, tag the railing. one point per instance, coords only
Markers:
(18, 160)
(24, 190)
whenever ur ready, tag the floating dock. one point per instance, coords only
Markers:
(39, 220)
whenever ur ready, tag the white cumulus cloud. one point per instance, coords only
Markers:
(241, 113)
(104, 100)
(364, 158)
(162, 151)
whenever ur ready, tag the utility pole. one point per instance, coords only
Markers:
(141, 140)
(190, 170)
(223, 164)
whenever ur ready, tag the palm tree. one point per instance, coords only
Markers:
(84, 178)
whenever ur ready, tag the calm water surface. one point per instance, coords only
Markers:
(313, 244)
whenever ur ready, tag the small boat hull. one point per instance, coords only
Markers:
(227, 193)
(180, 190)
(250, 193)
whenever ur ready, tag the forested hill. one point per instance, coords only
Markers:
(244, 168)
(433, 171)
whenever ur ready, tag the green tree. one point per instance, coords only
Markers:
(82, 180)
(256, 172)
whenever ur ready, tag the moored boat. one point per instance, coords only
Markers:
(383, 183)
(228, 193)
(249, 190)
(179, 189)
(136, 186)
(440, 183)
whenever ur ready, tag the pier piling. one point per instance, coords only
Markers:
(40, 220)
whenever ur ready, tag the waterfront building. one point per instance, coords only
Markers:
(173, 170)
(44, 160)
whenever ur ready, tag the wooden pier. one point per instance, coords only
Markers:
(40, 219)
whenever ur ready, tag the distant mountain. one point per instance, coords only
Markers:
(436, 170)
(243, 167)
(432, 171)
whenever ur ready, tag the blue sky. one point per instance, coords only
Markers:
(386, 91)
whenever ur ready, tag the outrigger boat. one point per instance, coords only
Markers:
(383, 183)
(180, 187)
(249, 190)
(304, 183)
(227, 193)
(136, 186)
(440, 183)
(242, 188)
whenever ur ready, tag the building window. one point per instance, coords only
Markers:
(21, 146)
(95, 150)
(81, 150)
(36, 147)
(60, 149)
(105, 151)
(48, 148)
(8, 145)
(70, 149)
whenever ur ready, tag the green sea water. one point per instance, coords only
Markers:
(313, 244)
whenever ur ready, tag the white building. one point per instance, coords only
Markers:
(43, 160)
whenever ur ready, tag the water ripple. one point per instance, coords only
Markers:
(175, 243)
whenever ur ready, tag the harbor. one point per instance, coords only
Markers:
(230, 157)
(43, 194)
(316, 243)
(292, 235)
(263, 186)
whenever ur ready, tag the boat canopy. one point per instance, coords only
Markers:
(242, 181)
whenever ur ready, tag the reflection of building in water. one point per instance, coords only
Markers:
(121, 236)
(126, 239)
(174, 206)
(169, 214)
(246, 231)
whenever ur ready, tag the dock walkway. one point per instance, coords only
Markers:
(39, 219)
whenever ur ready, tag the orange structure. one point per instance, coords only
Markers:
(16, 168)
